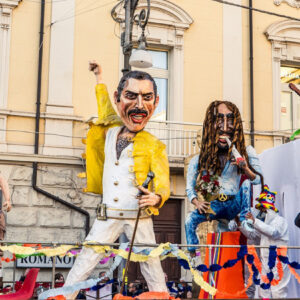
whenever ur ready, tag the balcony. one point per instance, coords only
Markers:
(179, 137)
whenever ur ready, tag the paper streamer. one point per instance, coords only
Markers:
(66, 290)
(163, 251)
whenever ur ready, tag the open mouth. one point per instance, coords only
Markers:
(222, 138)
(138, 117)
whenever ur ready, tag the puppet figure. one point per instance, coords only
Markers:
(119, 156)
(219, 178)
(269, 229)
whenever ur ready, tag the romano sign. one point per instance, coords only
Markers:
(45, 262)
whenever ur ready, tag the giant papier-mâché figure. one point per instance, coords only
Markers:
(119, 155)
(219, 178)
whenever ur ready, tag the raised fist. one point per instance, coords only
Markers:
(95, 67)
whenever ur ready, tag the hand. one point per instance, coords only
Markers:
(240, 162)
(148, 199)
(243, 165)
(249, 216)
(96, 69)
(6, 206)
(202, 206)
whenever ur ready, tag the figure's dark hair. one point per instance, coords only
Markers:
(139, 75)
(208, 159)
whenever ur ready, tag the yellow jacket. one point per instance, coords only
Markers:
(149, 153)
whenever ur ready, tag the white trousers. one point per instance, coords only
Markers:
(108, 232)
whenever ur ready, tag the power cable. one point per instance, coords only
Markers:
(71, 10)
(271, 132)
(43, 133)
(257, 10)
(220, 1)
(80, 13)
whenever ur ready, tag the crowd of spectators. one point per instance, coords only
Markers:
(106, 288)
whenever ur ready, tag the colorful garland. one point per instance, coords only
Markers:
(291, 265)
(268, 279)
(169, 250)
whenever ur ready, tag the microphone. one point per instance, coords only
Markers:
(237, 156)
(145, 185)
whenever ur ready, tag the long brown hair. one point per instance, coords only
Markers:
(208, 159)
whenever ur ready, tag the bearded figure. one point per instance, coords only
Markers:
(219, 179)
(119, 155)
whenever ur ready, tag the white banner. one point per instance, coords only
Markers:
(45, 262)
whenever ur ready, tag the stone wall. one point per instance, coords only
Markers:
(36, 218)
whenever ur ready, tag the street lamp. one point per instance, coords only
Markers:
(140, 58)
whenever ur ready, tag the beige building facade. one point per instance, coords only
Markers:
(200, 51)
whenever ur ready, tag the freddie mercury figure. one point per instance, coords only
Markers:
(222, 121)
(119, 154)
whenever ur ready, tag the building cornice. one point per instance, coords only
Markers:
(164, 13)
(10, 3)
(293, 3)
(47, 159)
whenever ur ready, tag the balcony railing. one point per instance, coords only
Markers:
(179, 137)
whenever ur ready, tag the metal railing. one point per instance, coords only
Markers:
(179, 137)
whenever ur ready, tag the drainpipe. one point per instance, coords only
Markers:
(37, 130)
(251, 73)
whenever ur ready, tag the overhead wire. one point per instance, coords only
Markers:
(71, 10)
(271, 133)
(220, 1)
(82, 12)
(257, 10)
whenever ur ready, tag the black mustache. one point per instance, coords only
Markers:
(138, 111)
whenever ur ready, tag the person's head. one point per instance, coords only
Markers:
(136, 99)
(59, 277)
(222, 120)
(132, 287)
(7, 289)
(182, 283)
(223, 123)
(102, 274)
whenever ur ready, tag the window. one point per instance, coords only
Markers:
(165, 31)
(285, 38)
(160, 73)
(289, 101)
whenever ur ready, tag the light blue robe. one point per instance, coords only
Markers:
(229, 185)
